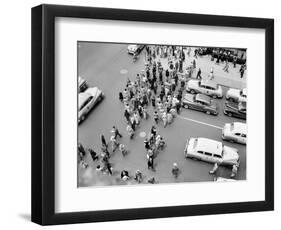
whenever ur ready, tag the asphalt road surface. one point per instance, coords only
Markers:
(108, 66)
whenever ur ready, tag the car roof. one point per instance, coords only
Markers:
(209, 145)
(210, 83)
(202, 97)
(239, 127)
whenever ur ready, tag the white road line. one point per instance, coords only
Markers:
(199, 122)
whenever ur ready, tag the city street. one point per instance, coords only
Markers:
(108, 66)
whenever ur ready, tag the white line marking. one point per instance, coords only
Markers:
(199, 122)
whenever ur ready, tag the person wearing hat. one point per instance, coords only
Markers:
(175, 170)
(138, 176)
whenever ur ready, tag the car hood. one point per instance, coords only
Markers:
(132, 47)
(188, 97)
(214, 105)
(232, 105)
(226, 128)
(192, 83)
(233, 92)
(230, 155)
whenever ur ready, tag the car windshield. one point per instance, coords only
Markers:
(231, 126)
(85, 102)
(195, 143)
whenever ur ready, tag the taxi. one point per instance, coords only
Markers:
(207, 87)
(87, 100)
(235, 132)
(211, 151)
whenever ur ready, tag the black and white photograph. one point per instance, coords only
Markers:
(160, 113)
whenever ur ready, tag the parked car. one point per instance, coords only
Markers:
(235, 132)
(135, 49)
(236, 95)
(211, 151)
(222, 179)
(234, 109)
(207, 87)
(82, 83)
(87, 100)
(200, 102)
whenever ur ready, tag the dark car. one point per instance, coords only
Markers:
(200, 102)
(233, 109)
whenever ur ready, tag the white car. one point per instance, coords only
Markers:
(135, 49)
(207, 87)
(235, 132)
(87, 100)
(211, 151)
(82, 83)
(236, 95)
(222, 179)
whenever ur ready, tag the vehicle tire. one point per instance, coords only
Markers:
(208, 112)
(186, 106)
(230, 99)
(215, 96)
(194, 158)
(229, 114)
(215, 114)
(192, 91)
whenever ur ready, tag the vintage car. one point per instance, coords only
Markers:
(236, 95)
(222, 179)
(200, 102)
(87, 100)
(207, 87)
(235, 132)
(82, 83)
(135, 49)
(211, 151)
(234, 109)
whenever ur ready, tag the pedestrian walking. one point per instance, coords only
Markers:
(130, 131)
(225, 68)
(164, 118)
(114, 143)
(175, 170)
(123, 149)
(153, 101)
(127, 115)
(156, 117)
(194, 64)
(198, 76)
(93, 154)
(116, 132)
(215, 168)
(153, 131)
(234, 171)
(150, 163)
(108, 167)
(138, 176)
(242, 71)
(103, 140)
(146, 144)
(121, 96)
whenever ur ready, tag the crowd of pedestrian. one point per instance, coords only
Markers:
(162, 90)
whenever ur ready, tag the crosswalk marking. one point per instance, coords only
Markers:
(199, 122)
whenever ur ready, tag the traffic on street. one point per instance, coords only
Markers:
(150, 114)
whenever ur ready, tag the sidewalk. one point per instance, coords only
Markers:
(230, 79)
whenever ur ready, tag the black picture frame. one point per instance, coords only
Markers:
(43, 114)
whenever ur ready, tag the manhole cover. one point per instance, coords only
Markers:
(142, 134)
(123, 71)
